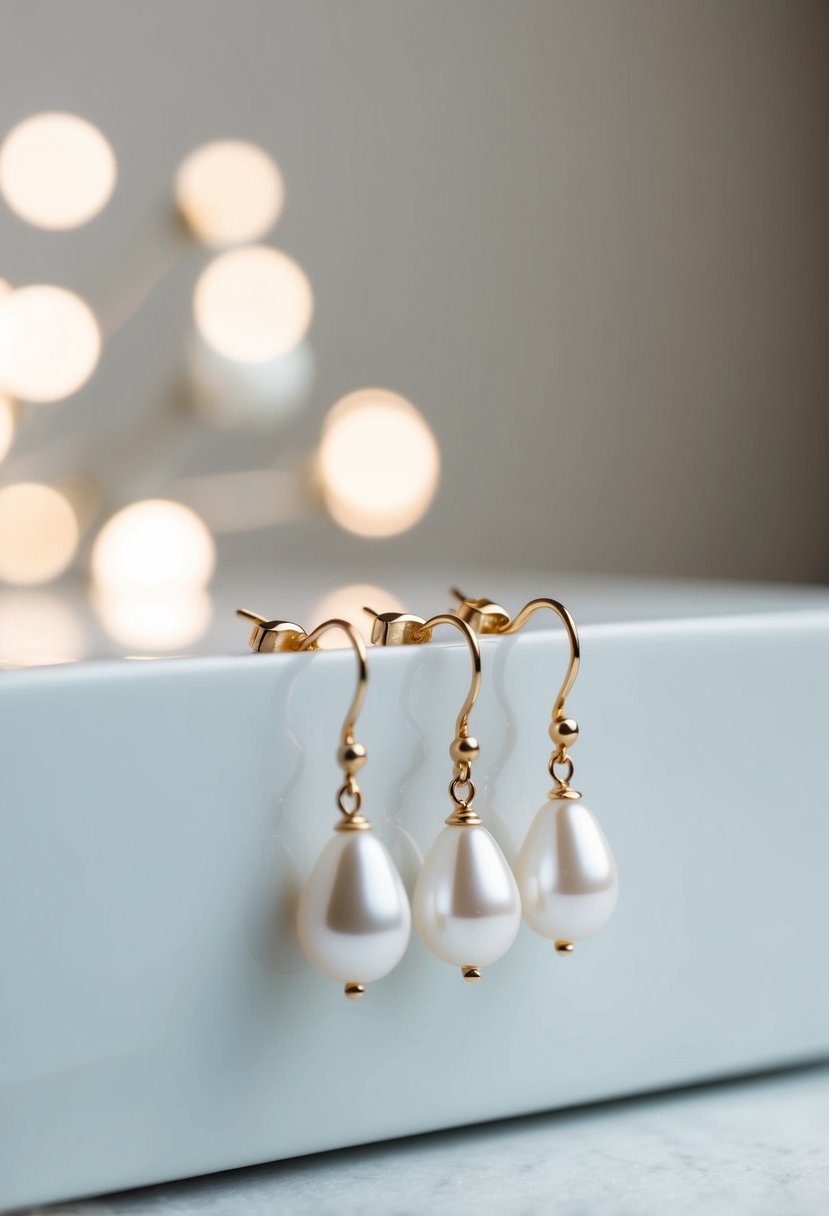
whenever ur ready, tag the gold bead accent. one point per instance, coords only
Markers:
(464, 751)
(352, 757)
(471, 974)
(564, 947)
(564, 731)
(355, 991)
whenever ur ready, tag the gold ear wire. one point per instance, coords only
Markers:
(403, 629)
(271, 637)
(351, 756)
(563, 731)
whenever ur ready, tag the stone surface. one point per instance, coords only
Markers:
(758, 1146)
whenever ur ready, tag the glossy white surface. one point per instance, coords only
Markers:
(158, 1017)
(466, 904)
(566, 873)
(354, 918)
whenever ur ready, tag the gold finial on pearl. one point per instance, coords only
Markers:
(471, 974)
(564, 947)
(354, 991)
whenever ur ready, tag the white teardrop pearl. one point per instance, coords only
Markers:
(354, 918)
(466, 903)
(566, 873)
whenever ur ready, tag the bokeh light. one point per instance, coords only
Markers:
(7, 422)
(38, 628)
(153, 546)
(348, 603)
(148, 622)
(251, 396)
(253, 304)
(229, 192)
(49, 343)
(57, 171)
(38, 534)
(378, 463)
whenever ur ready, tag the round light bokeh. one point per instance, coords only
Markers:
(229, 192)
(253, 304)
(149, 622)
(378, 463)
(38, 628)
(153, 546)
(57, 171)
(49, 343)
(228, 394)
(38, 534)
(348, 603)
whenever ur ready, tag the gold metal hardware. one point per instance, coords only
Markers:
(490, 618)
(272, 637)
(482, 616)
(285, 636)
(403, 629)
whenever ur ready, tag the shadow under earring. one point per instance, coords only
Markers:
(565, 870)
(354, 919)
(466, 904)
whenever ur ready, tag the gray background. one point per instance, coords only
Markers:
(588, 240)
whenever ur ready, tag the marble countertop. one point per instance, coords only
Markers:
(758, 1146)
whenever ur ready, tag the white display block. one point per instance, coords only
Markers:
(157, 1017)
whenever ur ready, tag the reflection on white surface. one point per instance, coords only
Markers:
(347, 603)
(49, 342)
(57, 170)
(378, 462)
(229, 191)
(38, 534)
(253, 304)
(153, 621)
(154, 545)
(38, 628)
(227, 393)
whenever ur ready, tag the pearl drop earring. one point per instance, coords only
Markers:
(466, 903)
(565, 870)
(354, 919)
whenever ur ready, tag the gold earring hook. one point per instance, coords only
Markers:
(403, 629)
(272, 636)
(424, 634)
(359, 646)
(520, 620)
(351, 756)
(491, 618)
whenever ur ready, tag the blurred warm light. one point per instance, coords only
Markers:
(152, 621)
(56, 170)
(38, 534)
(229, 192)
(378, 462)
(154, 545)
(253, 304)
(6, 426)
(347, 603)
(49, 343)
(37, 628)
(252, 396)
